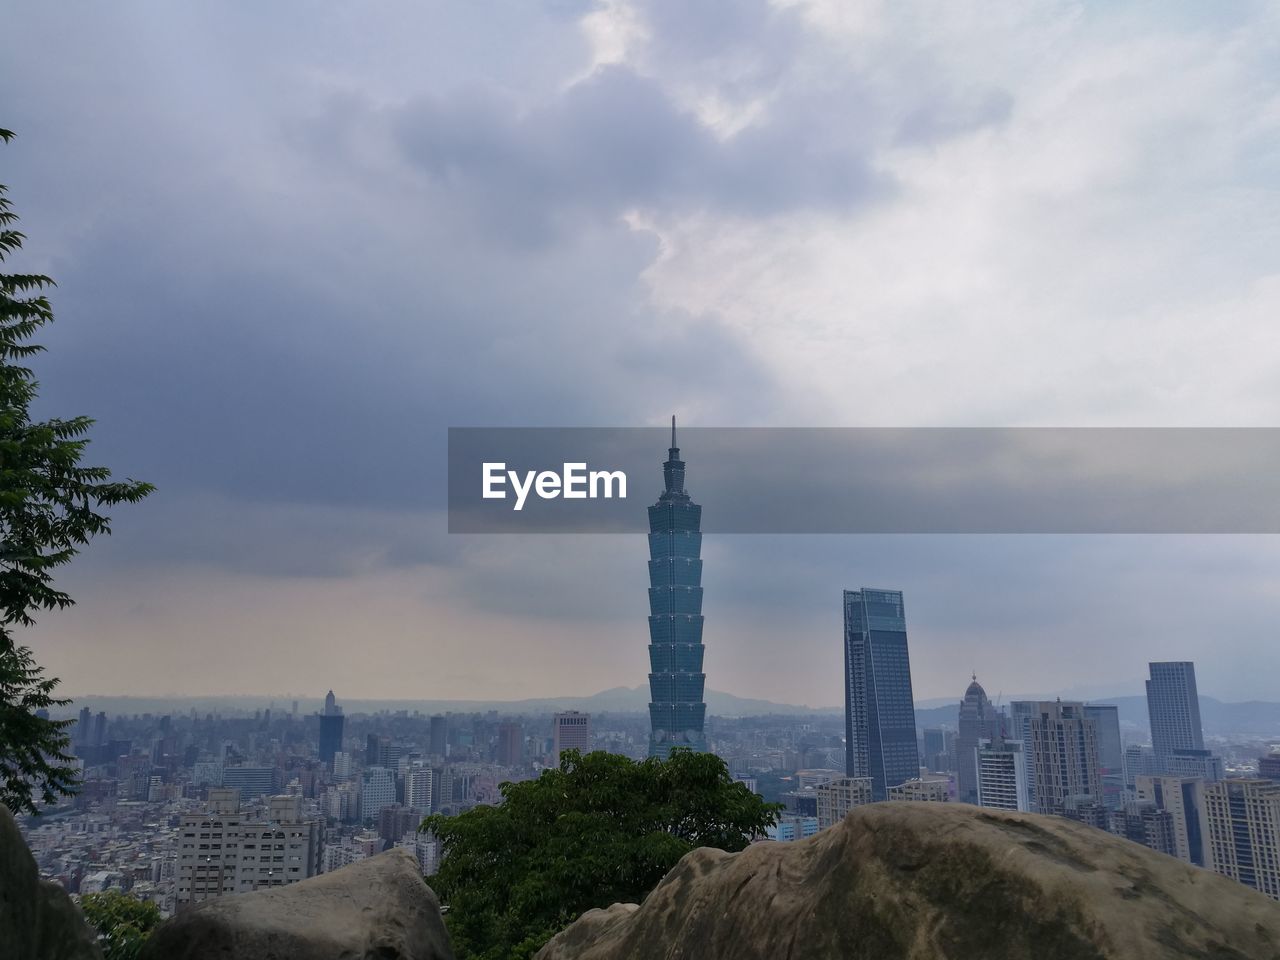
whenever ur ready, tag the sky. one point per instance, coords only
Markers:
(295, 242)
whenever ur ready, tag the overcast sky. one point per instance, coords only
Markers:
(294, 242)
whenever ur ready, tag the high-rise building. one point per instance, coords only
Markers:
(331, 724)
(377, 790)
(1060, 745)
(1139, 761)
(224, 851)
(571, 731)
(978, 722)
(1106, 718)
(510, 752)
(838, 796)
(84, 728)
(1269, 766)
(1174, 708)
(1183, 799)
(439, 735)
(1002, 775)
(880, 720)
(1244, 832)
(935, 749)
(677, 713)
(418, 787)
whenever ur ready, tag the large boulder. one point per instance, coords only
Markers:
(931, 881)
(38, 920)
(376, 909)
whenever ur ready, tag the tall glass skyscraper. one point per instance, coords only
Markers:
(676, 681)
(879, 712)
(1173, 706)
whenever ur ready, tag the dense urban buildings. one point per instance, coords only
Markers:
(880, 723)
(677, 712)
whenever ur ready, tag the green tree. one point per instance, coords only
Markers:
(599, 830)
(50, 506)
(123, 922)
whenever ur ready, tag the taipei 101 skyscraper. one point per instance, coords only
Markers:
(677, 711)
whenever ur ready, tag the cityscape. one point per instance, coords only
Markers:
(633, 480)
(181, 807)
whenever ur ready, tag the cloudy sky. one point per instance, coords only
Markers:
(295, 242)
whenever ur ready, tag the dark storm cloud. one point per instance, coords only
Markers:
(615, 141)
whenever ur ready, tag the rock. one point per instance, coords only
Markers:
(38, 920)
(375, 909)
(931, 881)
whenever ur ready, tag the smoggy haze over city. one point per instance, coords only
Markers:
(295, 243)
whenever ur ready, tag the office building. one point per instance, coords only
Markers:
(935, 755)
(791, 827)
(1174, 708)
(677, 712)
(1195, 763)
(928, 791)
(251, 782)
(1002, 776)
(331, 726)
(418, 783)
(1183, 799)
(439, 735)
(377, 790)
(880, 721)
(1106, 718)
(978, 722)
(1060, 747)
(510, 749)
(1244, 832)
(838, 796)
(224, 850)
(571, 731)
(1139, 761)
(1269, 766)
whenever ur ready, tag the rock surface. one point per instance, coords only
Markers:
(38, 920)
(376, 909)
(930, 881)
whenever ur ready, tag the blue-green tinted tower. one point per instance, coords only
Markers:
(676, 681)
(880, 718)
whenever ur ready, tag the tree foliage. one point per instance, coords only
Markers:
(123, 922)
(599, 830)
(50, 506)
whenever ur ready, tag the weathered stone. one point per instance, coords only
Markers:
(38, 920)
(376, 909)
(929, 881)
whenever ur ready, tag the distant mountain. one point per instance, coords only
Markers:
(615, 700)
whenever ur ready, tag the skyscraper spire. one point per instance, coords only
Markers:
(677, 710)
